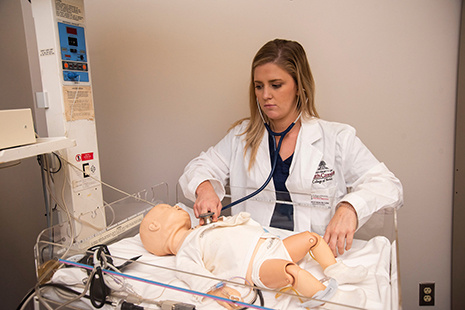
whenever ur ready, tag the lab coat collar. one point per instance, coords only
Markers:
(310, 131)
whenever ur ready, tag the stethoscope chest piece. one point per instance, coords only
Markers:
(207, 218)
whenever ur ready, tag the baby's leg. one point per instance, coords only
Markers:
(279, 273)
(299, 245)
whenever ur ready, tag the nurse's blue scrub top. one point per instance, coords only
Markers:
(283, 215)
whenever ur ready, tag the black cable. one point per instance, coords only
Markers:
(98, 289)
(25, 298)
(260, 295)
(39, 160)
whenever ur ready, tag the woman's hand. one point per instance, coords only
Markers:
(207, 201)
(341, 228)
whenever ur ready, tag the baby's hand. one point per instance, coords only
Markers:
(227, 293)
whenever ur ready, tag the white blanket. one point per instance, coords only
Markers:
(375, 254)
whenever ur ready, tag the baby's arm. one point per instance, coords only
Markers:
(200, 279)
(228, 293)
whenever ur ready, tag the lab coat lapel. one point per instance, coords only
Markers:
(260, 209)
(306, 157)
(262, 167)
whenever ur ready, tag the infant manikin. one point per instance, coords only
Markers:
(239, 246)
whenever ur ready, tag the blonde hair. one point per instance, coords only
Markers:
(291, 57)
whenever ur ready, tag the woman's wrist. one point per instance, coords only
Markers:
(348, 206)
(203, 187)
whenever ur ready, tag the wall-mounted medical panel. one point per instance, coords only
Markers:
(73, 53)
(66, 79)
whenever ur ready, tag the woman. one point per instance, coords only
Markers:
(316, 157)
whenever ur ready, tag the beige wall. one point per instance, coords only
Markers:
(169, 77)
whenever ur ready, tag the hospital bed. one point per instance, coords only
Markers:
(151, 282)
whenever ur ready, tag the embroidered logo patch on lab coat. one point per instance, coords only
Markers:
(323, 174)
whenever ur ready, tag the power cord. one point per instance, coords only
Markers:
(39, 161)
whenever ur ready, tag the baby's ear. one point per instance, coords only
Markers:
(154, 226)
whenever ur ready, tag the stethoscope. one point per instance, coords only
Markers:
(208, 216)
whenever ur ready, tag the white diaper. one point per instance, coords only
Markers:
(273, 247)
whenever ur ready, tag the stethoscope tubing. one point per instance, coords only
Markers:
(276, 151)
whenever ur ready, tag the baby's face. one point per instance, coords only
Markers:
(172, 217)
(160, 226)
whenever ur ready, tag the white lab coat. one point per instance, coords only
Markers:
(329, 160)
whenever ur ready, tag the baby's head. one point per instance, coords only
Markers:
(162, 229)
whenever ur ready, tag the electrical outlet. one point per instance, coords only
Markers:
(427, 294)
